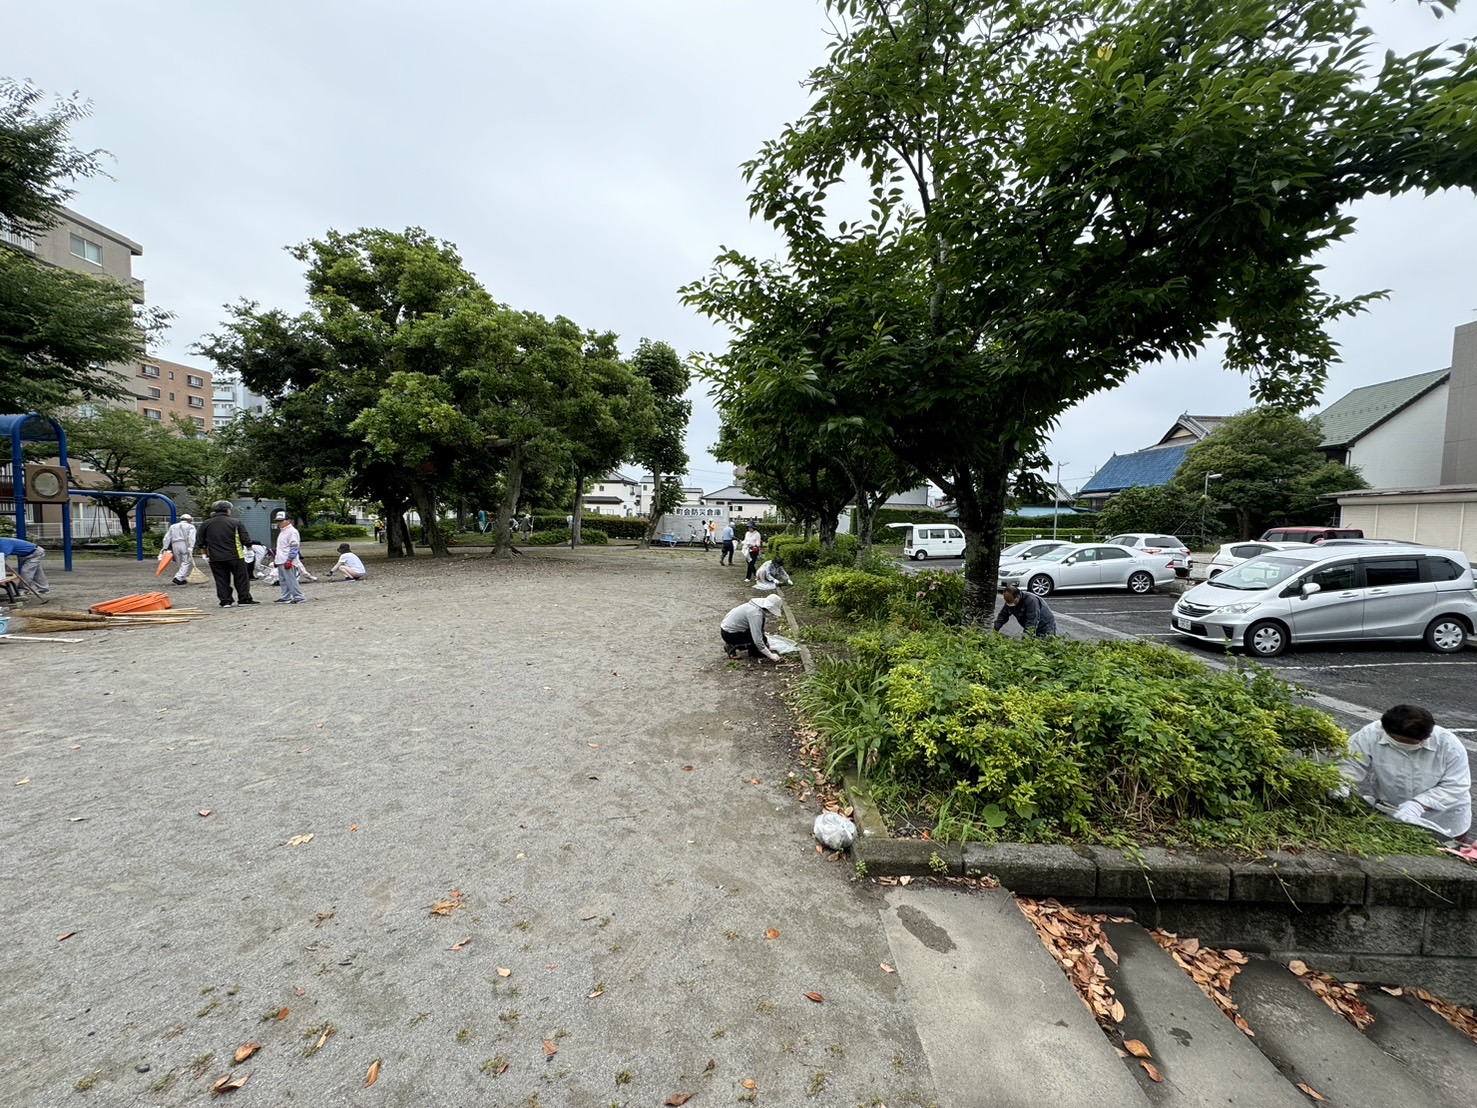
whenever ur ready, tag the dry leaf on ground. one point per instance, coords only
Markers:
(1312, 1092)
(64, 936)
(771, 933)
(1137, 1048)
(461, 944)
(550, 1049)
(595, 995)
(205, 811)
(1152, 1070)
(676, 1100)
(246, 1051)
(749, 1083)
(229, 1083)
(504, 971)
(374, 1073)
(815, 997)
(886, 968)
(1212, 970)
(449, 905)
(24, 781)
(299, 840)
(1074, 940)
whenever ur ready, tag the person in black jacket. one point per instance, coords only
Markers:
(225, 540)
(1029, 610)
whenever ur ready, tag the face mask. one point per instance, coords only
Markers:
(1403, 747)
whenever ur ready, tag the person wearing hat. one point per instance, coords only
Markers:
(179, 540)
(743, 627)
(286, 557)
(224, 541)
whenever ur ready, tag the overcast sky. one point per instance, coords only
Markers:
(583, 158)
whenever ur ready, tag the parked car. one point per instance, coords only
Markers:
(1342, 594)
(1233, 553)
(1090, 566)
(1027, 551)
(1310, 534)
(1151, 543)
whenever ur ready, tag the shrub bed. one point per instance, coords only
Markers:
(589, 536)
(1053, 740)
(331, 532)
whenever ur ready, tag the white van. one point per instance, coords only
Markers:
(931, 540)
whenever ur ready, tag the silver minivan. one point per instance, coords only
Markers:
(1340, 594)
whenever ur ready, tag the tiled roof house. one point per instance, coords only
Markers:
(1154, 465)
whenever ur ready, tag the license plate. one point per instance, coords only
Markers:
(1182, 623)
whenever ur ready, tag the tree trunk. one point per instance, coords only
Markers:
(397, 530)
(428, 505)
(122, 514)
(504, 548)
(656, 508)
(827, 527)
(1243, 523)
(867, 507)
(980, 498)
(577, 515)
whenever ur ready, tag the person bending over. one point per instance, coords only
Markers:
(1029, 610)
(743, 628)
(349, 566)
(1412, 770)
(772, 574)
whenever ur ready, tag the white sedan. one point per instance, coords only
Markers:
(1030, 550)
(1090, 566)
(1234, 553)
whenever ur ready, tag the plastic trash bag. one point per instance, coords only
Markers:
(781, 645)
(765, 586)
(834, 830)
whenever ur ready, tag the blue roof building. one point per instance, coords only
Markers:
(1152, 466)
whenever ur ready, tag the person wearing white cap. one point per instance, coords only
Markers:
(286, 557)
(179, 540)
(743, 627)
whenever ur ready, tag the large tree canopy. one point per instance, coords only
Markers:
(1064, 191)
(57, 328)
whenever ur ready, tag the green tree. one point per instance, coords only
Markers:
(1271, 471)
(1063, 191)
(662, 452)
(132, 453)
(56, 327)
(1164, 508)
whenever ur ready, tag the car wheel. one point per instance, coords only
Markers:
(1041, 585)
(1140, 582)
(1446, 635)
(920, 555)
(1212, 575)
(1266, 639)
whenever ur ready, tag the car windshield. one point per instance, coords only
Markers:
(1017, 548)
(1256, 574)
(1055, 555)
(1122, 540)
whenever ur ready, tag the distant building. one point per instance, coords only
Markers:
(614, 494)
(231, 399)
(1394, 432)
(1152, 466)
(167, 389)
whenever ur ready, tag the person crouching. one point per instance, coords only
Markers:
(1029, 610)
(349, 567)
(771, 575)
(743, 628)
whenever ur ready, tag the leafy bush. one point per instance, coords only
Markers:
(617, 527)
(548, 538)
(795, 551)
(853, 592)
(933, 596)
(593, 536)
(1115, 742)
(332, 532)
(886, 516)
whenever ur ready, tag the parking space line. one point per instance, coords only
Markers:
(1381, 665)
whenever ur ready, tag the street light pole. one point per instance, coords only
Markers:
(1056, 497)
(1205, 501)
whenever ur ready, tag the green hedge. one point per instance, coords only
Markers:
(332, 532)
(589, 536)
(797, 553)
(1025, 534)
(900, 515)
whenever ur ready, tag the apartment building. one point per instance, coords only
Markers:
(232, 399)
(166, 389)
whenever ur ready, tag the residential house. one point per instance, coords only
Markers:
(231, 399)
(1151, 466)
(735, 502)
(1393, 432)
(614, 494)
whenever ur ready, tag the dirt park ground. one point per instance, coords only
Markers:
(556, 746)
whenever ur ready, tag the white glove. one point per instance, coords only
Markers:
(1410, 812)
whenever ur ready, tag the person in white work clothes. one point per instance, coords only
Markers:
(1408, 768)
(288, 551)
(349, 566)
(179, 540)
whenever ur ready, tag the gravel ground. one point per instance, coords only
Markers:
(556, 746)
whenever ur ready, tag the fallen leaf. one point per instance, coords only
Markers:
(229, 1083)
(1152, 1070)
(461, 944)
(353, 827)
(76, 819)
(593, 746)
(447, 906)
(755, 781)
(245, 1052)
(299, 840)
(1298, 967)
(24, 781)
(1137, 1048)
(323, 1038)
(1116, 1011)
(282, 1015)
(550, 1049)
(504, 971)
(677, 1099)
(905, 880)
(204, 812)
(1312, 1092)
(815, 997)
(771, 933)
(711, 1066)
(596, 995)
(374, 1073)
(64, 937)
(686, 769)
(299, 990)
(886, 968)
(1395, 991)
(749, 1083)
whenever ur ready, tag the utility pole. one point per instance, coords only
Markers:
(1205, 502)
(1056, 497)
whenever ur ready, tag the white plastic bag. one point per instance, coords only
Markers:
(834, 830)
(781, 645)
